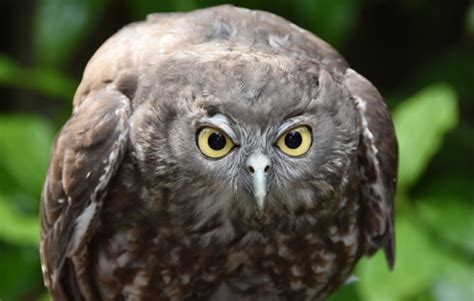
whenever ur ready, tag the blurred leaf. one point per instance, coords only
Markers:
(10, 189)
(470, 19)
(421, 122)
(16, 228)
(7, 184)
(455, 281)
(185, 5)
(415, 267)
(331, 20)
(21, 272)
(47, 82)
(444, 190)
(60, 25)
(456, 158)
(454, 67)
(141, 8)
(413, 5)
(442, 213)
(24, 148)
(44, 297)
(346, 292)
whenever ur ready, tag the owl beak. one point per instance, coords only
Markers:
(258, 165)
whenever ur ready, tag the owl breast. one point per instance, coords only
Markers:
(142, 256)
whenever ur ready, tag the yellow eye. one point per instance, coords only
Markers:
(295, 142)
(213, 143)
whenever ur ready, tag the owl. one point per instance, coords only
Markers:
(221, 154)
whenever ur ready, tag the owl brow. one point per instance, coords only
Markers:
(221, 122)
(298, 110)
(290, 123)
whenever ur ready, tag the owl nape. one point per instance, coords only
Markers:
(220, 154)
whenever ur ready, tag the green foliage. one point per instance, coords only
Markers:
(21, 272)
(141, 8)
(48, 82)
(434, 206)
(448, 212)
(436, 107)
(410, 276)
(59, 27)
(16, 228)
(470, 19)
(332, 20)
(25, 147)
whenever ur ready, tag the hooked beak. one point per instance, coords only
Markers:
(258, 166)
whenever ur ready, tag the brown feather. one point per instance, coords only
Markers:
(131, 209)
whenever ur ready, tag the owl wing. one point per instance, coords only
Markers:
(85, 155)
(378, 159)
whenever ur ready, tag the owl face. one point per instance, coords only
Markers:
(256, 157)
(254, 138)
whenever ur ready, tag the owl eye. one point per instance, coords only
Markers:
(295, 142)
(213, 143)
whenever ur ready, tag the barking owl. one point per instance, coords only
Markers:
(222, 154)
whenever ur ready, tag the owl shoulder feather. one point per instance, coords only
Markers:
(85, 156)
(378, 161)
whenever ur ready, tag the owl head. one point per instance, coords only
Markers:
(250, 134)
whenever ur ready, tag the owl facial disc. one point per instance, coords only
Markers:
(258, 165)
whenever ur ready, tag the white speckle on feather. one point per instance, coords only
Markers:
(351, 279)
(322, 268)
(185, 278)
(282, 250)
(133, 290)
(121, 240)
(372, 151)
(296, 285)
(123, 259)
(276, 41)
(106, 266)
(296, 271)
(166, 277)
(141, 279)
(82, 225)
(348, 240)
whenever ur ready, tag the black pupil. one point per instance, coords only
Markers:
(293, 139)
(216, 141)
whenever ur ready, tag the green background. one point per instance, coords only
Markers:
(419, 53)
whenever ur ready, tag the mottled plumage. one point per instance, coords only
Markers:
(133, 209)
